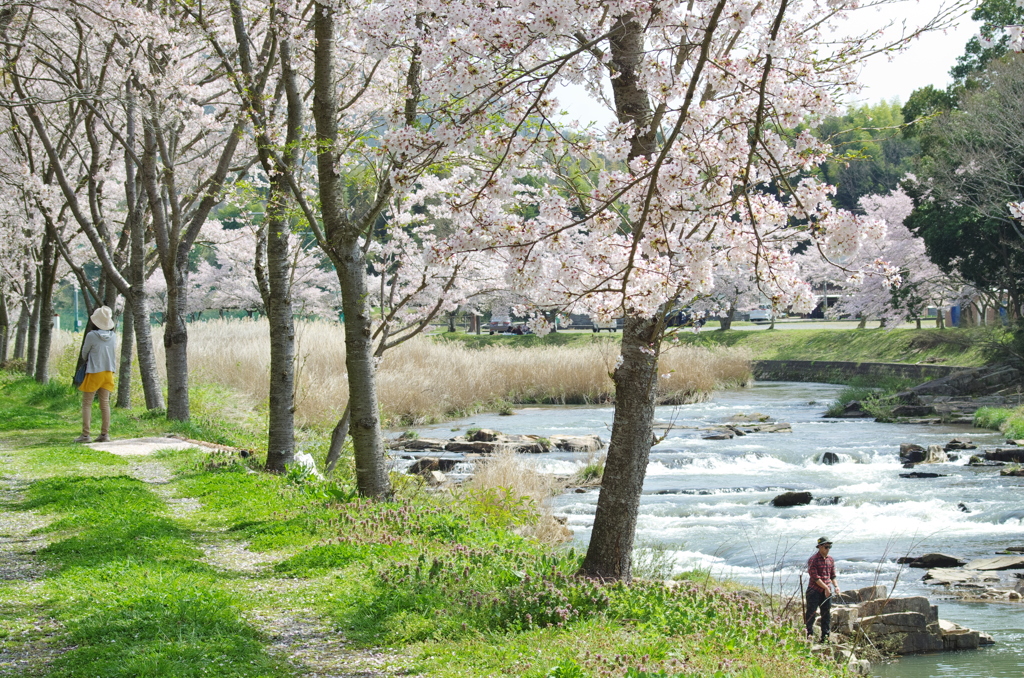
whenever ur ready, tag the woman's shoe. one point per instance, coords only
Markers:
(82, 439)
(102, 438)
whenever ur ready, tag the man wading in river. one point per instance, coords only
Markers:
(822, 571)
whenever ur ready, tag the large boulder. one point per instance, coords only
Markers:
(1015, 456)
(484, 435)
(829, 458)
(589, 443)
(885, 607)
(861, 595)
(897, 622)
(787, 499)
(916, 643)
(427, 464)
(912, 454)
(930, 560)
(913, 410)
(844, 619)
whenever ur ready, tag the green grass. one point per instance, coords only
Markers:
(442, 580)
(1008, 421)
(966, 347)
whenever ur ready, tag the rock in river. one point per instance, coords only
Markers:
(787, 499)
(997, 563)
(930, 560)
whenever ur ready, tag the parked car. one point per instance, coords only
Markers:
(761, 313)
(611, 325)
(499, 325)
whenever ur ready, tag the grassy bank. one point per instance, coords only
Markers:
(968, 347)
(1009, 421)
(190, 564)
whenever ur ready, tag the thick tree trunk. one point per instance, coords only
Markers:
(365, 429)
(611, 542)
(47, 280)
(124, 370)
(281, 437)
(33, 331)
(176, 346)
(727, 319)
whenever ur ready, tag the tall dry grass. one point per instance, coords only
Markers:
(508, 471)
(424, 380)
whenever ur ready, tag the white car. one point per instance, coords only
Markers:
(611, 325)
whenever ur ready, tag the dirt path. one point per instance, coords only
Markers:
(29, 640)
(28, 637)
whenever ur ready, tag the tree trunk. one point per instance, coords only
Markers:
(33, 331)
(338, 436)
(136, 308)
(727, 320)
(24, 314)
(863, 322)
(176, 346)
(124, 370)
(343, 242)
(5, 325)
(47, 280)
(281, 439)
(367, 436)
(611, 542)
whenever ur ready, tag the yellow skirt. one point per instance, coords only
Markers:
(94, 381)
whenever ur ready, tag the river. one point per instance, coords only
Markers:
(705, 504)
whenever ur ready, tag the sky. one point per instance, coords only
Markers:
(925, 61)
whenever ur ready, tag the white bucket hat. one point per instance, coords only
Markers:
(102, 318)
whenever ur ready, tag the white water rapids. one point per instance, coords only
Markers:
(706, 502)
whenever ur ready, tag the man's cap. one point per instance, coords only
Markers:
(824, 541)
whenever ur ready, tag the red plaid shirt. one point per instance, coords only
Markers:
(820, 567)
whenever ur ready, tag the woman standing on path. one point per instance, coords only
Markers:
(99, 351)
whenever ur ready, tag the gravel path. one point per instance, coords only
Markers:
(29, 640)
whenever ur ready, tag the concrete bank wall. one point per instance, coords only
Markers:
(837, 372)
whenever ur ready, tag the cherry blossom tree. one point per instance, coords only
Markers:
(892, 279)
(696, 175)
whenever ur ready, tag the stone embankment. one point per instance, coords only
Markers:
(899, 626)
(955, 397)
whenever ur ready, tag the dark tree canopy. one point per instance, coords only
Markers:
(973, 168)
(993, 15)
(876, 153)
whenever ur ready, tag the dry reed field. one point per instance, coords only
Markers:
(425, 380)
